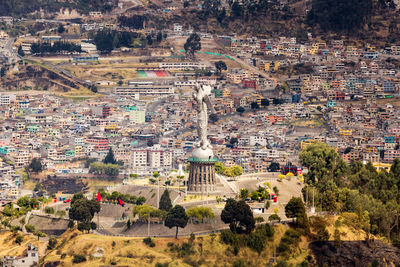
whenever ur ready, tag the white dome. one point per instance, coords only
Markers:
(204, 154)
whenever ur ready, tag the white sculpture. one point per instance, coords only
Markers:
(203, 101)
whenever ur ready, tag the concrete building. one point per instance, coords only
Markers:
(137, 116)
(149, 90)
(30, 259)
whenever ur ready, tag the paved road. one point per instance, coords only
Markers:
(7, 49)
(119, 11)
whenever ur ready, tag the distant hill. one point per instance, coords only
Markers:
(373, 21)
(23, 7)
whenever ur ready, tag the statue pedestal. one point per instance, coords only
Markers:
(202, 171)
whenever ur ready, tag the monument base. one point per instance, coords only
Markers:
(202, 175)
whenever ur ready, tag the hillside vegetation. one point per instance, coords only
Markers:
(373, 21)
(200, 251)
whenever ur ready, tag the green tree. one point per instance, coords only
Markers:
(176, 217)
(40, 234)
(274, 217)
(219, 168)
(61, 29)
(36, 165)
(159, 37)
(2, 72)
(149, 40)
(220, 66)
(323, 234)
(30, 228)
(264, 102)
(213, 117)
(240, 110)
(274, 167)
(52, 243)
(254, 105)
(143, 211)
(200, 213)
(192, 45)
(165, 201)
(82, 209)
(294, 208)
(19, 239)
(20, 51)
(323, 163)
(395, 168)
(244, 193)
(239, 216)
(110, 157)
(23, 201)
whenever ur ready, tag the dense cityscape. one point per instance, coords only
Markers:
(180, 133)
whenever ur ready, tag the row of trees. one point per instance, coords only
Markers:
(107, 40)
(56, 47)
(127, 198)
(175, 217)
(108, 169)
(354, 187)
(133, 22)
(232, 171)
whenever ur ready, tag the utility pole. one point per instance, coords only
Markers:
(158, 194)
(148, 226)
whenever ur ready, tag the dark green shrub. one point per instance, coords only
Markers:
(78, 258)
(52, 243)
(186, 250)
(228, 237)
(49, 210)
(149, 242)
(236, 249)
(30, 228)
(238, 263)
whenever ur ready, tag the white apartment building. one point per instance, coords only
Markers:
(260, 140)
(144, 91)
(22, 157)
(5, 99)
(88, 48)
(146, 161)
(138, 159)
(178, 28)
(137, 116)
(182, 65)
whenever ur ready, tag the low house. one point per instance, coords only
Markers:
(30, 259)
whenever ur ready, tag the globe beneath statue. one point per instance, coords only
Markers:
(203, 154)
